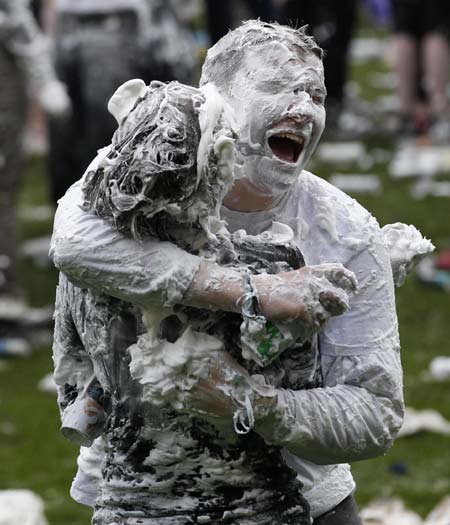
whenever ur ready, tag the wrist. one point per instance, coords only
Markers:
(256, 403)
(265, 405)
(264, 285)
(269, 418)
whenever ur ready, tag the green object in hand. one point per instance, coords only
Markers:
(266, 345)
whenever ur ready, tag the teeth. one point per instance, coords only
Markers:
(291, 136)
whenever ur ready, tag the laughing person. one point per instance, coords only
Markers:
(272, 77)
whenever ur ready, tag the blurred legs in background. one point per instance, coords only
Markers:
(436, 56)
(406, 49)
(220, 19)
(422, 65)
(95, 54)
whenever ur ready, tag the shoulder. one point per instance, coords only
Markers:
(333, 223)
(319, 194)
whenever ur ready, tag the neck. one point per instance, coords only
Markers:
(246, 197)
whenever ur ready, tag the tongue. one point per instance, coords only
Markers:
(283, 148)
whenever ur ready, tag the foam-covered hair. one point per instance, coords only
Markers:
(225, 58)
(150, 179)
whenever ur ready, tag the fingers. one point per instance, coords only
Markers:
(92, 408)
(328, 293)
(210, 399)
(311, 294)
(335, 302)
(345, 279)
(212, 395)
(338, 275)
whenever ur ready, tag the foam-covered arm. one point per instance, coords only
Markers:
(359, 410)
(22, 37)
(82, 401)
(94, 255)
(73, 367)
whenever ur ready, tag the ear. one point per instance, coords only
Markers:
(125, 97)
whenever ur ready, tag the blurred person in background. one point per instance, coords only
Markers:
(99, 44)
(26, 71)
(221, 16)
(422, 50)
(332, 24)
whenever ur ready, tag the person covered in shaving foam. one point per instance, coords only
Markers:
(233, 438)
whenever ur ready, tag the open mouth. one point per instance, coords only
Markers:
(287, 146)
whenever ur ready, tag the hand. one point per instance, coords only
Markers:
(226, 389)
(311, 294)
(212, 395)
(55, 100)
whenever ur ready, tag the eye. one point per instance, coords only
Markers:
(299, 90)
(318, 99)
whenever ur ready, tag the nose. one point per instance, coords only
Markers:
(300, 113)
(300, 108)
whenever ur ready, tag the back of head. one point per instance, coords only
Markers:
(152, 163)
(150, 182)
(225, 58)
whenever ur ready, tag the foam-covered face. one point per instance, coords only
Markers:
(279, 99)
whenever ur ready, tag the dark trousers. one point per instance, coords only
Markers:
(419, 17)
(346, 513)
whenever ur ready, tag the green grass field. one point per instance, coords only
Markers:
(33, 455)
